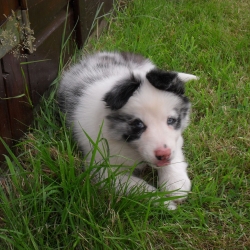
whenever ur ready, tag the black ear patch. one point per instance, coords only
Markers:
(117, 97)
(166, 80)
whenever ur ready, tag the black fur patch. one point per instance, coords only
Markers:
(117, 97)
(137, 58)
(125, 127)
(106, 61)
(65, 100)
(78, 91)
(182, 113)
(177, 125)
(166, 80)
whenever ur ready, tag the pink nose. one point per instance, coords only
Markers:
(162, 154)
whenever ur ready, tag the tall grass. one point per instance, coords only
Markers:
(49, 202)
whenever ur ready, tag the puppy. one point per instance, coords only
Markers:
(142, 111)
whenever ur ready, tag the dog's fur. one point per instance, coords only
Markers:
(143, 111)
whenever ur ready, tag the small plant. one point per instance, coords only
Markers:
(20, 38)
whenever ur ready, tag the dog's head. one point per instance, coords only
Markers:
(150, 114)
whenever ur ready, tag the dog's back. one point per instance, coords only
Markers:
(94, 68)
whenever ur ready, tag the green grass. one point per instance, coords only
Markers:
(49, 202)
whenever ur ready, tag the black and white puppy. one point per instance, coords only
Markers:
(143, 111)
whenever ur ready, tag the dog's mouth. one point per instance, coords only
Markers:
(160, 163)
(163, 162)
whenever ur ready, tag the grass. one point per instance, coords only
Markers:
(49, 202)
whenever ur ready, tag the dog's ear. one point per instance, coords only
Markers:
(169, 80)
(118, 96)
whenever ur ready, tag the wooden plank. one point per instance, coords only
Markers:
(23, 4)
(47, 20)
(5, 130)
(43, 12)
(20, 111)
(6, 8)
(85, 13)
(47, 55)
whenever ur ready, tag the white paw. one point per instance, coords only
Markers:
(179, 187)
(171, 205)
(181, 194)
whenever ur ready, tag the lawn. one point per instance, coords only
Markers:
(47, 201)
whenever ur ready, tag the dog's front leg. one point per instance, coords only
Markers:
(174, 179)
(128, 183)
(125, 183)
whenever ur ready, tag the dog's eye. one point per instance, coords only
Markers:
(137, 123)
(171, 121)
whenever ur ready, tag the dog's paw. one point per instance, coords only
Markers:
(181, 195)
(171, 205)
(179, 188)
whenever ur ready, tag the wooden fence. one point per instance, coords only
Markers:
(28, 65)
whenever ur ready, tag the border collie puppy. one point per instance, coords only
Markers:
(142, 111)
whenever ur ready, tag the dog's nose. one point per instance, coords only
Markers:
(162, 154)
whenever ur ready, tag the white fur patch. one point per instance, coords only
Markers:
(187, 77)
